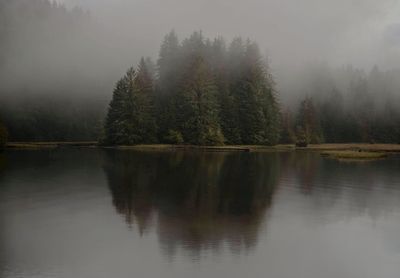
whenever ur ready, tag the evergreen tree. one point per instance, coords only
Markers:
(130, 118)
(308, 128)
(198, 107)
(272, 111)
(117, 126)
(144, 103)
(203, 95)
(256, 103)
(167, 88)
(287, 132)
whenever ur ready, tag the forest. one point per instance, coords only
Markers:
(204, 93)
(198, 91)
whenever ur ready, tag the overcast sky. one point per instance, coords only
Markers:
(292, 32)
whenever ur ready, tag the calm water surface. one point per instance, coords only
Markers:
(95, 213)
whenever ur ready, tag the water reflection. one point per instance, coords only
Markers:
(196, 201)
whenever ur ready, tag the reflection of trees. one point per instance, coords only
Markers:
(201, 200)
(347, 189)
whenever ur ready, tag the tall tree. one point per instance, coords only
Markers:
(198, 107)
(308, 127)
(256, 103)
(144, 103)
(130, 118)
(287, 132)
(167, 88)
(117, 125)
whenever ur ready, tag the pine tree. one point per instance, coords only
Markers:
(308, 129)
(272, 111)
(203, 95)
(287, 132)
(221, 68)
(144, 103)
(130, 119)
(255, 101)
(198, 107)
(117, 121)
(167, 88)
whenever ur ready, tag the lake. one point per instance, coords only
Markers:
(112, 213)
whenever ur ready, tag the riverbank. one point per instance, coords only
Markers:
(355, 147)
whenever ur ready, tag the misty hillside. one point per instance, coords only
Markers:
(59, 65)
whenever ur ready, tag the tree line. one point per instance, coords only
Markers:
(343, 106)
(200, 92)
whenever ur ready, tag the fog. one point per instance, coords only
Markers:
(294, 34)
(74, 51)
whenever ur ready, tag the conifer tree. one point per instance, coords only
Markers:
(144, 103)
(308, 126)
(203, 95)
(130, 119)
(167, 88)
(287, 132)
(257, 106)
(221, 71)
(198, 107)
(117, 125)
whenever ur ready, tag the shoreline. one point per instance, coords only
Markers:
(359, 147)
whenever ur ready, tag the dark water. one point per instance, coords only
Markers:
(95, 213)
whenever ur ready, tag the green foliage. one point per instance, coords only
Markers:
(287, 132)
(130, 119)
(198, 117)
(308, 123)
(203, 95)
(174, 137)
(3, 136)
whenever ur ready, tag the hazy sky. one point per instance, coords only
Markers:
(293, 32)
(88, 59)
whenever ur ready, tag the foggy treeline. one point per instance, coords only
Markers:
(58, 70)
(344, 105)
(49, 89)
(202, 93)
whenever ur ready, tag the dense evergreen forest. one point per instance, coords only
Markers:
(199, 91)
(344, 105)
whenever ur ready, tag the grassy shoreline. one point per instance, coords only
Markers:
(354, 155)
(354, 148)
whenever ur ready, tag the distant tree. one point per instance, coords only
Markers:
(287, 132)
(256, 103)
(169, 72)
(308, 126)
(117, 124)
(130, 118)
(198, 106)
(144, 103)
